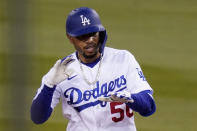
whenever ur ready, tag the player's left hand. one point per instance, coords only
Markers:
(123, 97)
(58, 72)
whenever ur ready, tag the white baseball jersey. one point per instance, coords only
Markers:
(118, 71)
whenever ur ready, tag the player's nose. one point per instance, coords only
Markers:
(90, 39)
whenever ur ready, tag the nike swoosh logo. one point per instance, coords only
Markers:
(69, 78)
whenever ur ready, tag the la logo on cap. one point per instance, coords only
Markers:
(84, 20)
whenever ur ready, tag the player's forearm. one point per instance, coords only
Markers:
(41, 106)
(143, 103)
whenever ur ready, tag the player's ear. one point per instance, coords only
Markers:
(69, 37)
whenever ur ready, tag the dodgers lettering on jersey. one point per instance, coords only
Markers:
(118, 84)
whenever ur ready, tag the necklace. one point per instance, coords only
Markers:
(97, 74)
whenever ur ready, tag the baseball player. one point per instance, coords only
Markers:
(100, 87)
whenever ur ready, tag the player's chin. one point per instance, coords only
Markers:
(89, 55)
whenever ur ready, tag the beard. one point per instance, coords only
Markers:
(94, 54)
(90, 56)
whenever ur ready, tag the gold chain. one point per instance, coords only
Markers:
(97, 75)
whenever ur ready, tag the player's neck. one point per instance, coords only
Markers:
(88, 60)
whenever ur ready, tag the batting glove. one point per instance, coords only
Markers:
(123, 97)
(58, 72)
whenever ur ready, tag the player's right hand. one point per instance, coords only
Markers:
(58, 72)
(123, 97)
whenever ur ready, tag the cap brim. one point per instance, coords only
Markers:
(90, 29)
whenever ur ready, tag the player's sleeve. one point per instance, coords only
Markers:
(139, 88)
(43, 103)
(144, 103)
(136, 81)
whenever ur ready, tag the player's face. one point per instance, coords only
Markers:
(87, 46)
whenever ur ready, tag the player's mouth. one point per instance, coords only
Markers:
(90, 48)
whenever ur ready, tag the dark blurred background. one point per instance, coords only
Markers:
(160, 33)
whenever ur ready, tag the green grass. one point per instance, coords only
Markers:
(160, 33)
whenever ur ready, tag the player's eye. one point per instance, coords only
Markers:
(87, 36)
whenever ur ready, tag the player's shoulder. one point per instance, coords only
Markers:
(121, 53)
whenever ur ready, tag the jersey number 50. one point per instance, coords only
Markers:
(120, 111)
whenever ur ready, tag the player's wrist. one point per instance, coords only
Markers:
(49, 85)
(49, 89)
(48, 82)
